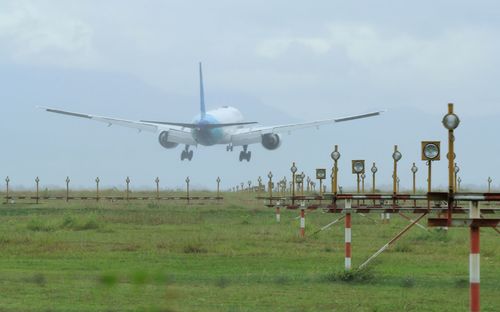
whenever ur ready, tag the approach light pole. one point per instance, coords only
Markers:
(335, 155)
(302, 176)
(298, 181)
(67, 188)
(414, 170)
(293, 169)
(187, 189)
(374, 170)
(270, 187)
(157, 181)
(218, 185)
(37, 181)
(358, 168)
(7, 181)
(431, 151)
(363, 176)
(451, 122)
(489, 184)
(457, 170)
(97, 189)
(320, 175)
(128, 187)
(396, 156)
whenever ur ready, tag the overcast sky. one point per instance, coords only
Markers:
(301, 61)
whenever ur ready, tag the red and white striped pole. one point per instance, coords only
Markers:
(474, 259)
(348, 206)
(278, 213)
(302, 219)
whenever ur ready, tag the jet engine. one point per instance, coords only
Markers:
(163, 139)
(271, 141)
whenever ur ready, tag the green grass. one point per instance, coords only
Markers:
(144, 256)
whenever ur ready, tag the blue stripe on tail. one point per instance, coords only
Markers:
(202, 96)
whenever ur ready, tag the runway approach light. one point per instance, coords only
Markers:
(299, 178)
(431, 150)
(358, 166)
(320, 174)
(451, 121)
(335, 155)
(397, 155)
(294, 168)
(414, 168)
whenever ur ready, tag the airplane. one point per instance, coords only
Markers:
(224, 125)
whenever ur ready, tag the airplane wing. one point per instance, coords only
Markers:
(247, 136)
(176, 134)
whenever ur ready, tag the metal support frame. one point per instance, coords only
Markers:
(347, 235)
(392, 241)
(302, 220)
(411, 220)
(330, 224)
(474, 258)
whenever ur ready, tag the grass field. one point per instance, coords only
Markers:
(233, 256)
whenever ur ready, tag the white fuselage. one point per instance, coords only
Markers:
(211, 136)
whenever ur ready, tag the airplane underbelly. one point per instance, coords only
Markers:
(208, 137)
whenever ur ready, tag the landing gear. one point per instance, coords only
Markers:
(229, 148)
(187, 154)
(244, 154)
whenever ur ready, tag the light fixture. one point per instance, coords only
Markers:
(358, 166)
(431, 150)
(451, 121)
(320, 174)
(397, 155)
(335, 154)
(299, 179)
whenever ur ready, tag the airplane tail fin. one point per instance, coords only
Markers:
(202, 96)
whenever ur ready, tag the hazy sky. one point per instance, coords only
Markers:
(295, 61)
